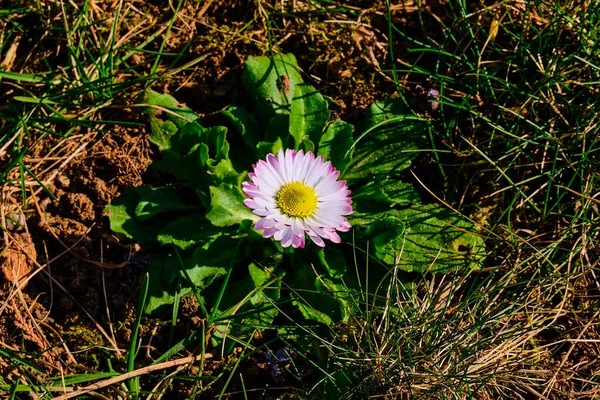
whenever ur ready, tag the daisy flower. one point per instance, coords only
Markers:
(297, 194)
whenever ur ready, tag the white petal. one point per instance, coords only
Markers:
(298, 227)
(327, 187)
(263, 223)
(334, 237)
(289, 165)
(298, 241)
(282, 166)
(264, 203)
(316, 239)
(251, 204)
(298, 165)
(261, 212)
(269, 232)
(318, 173)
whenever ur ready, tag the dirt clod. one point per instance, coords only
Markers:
(80, 206)
(18, 258)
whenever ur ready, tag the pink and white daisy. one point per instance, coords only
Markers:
(297, 194)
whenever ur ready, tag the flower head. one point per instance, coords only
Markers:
(298, 194)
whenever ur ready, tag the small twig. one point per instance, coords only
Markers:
(579, 194)
(133, 374)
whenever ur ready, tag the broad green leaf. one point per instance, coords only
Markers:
(263, 278)
(307, 145)
(340, 292)
(310, 313)
(219, 147)
(227, 206)
(218, 252)
(381, 111)
(271, 82)
(188, 154)
(203, 267)
(382, 194)
(187, 231)
(188, 137)
(245, 124)
(333, 260)
(203, 276)
(223, 172)
(250, 304)
(258, 287)
(200, 157)
(309, 114)
(248, 131)
(422, 238)
(279, 129)
(265, 148)
(336, 142)
(163, 200)
(387, 145)
(167, 116)
(314, 301)
(211, 261)
(161, 294)
(122, 216)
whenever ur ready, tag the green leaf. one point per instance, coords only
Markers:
(333, 260)
(204, 266)
(162, 200)
(337, 290)
(271, 82)
(310, 313)
(309, 114)
(187, 231)
(200, 157)
(382, 111)
(188, 154)
(263, 278)
(167, 116)
(227, 206)
(219, 147)
(248, 131)
(223, 172)
(250, 304)
(387, 145)
(161, 293)
(307, 145)
(78, 379)
(258, 288)
(211, 261)
(245, 124)
(188, 137)
(122, 216)
(422, 238)
(265, 148)
(279, 129)
(382, 194)
(313, 298)
(336, 143)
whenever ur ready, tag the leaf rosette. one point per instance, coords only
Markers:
(202, 239)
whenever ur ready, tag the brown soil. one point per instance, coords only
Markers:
(18, 258)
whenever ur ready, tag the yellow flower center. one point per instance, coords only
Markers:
(296, 199)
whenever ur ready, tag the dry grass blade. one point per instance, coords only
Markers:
(133, 374)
